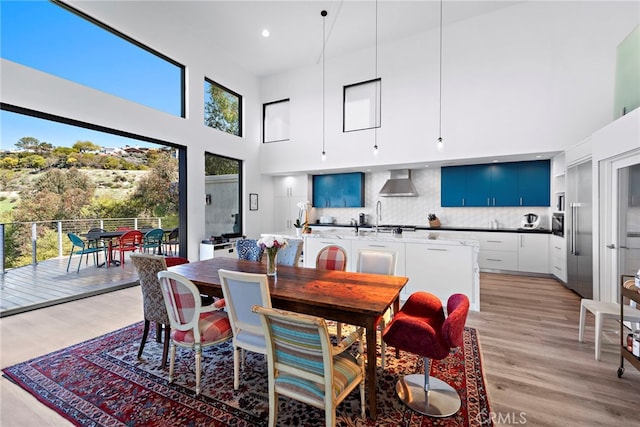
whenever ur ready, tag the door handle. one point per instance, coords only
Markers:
(613, 246)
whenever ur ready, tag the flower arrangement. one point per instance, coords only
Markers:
(271, 245)
(301, 221)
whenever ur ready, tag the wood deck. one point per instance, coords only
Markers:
(48, 283)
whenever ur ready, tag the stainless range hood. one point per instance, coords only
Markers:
(399, 184)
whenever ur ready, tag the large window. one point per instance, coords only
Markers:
(223, 198)
(222, 108)
(56, 39)
(361, 108)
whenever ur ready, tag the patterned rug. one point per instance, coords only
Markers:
(102, 383)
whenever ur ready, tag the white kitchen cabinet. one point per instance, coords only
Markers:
(558, 257)
(440, 269)
(288, 192)
(533, 253)
(498, 251)
(397, 248)
(313, 246)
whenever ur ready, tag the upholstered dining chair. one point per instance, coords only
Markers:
(248, 249)
(304, 365)
(153, 306)
(82, 248)
(378, 262)
(421, 327)
(241, 292)
(130, 241)
(192, 325)
(290, 254)
(331, 258)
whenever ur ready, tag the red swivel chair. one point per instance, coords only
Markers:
(421, 328)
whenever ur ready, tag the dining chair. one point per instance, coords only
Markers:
(290, 254)
(241, 292)
(421, 327)
(304, 365)
(378, 262)
(248, 249)
(152, 240)
(153, 306)
(192, 326)
(84, 248)
(130, 241)
(332, 258)
(172, 242)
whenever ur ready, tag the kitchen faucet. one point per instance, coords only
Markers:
(378, 214)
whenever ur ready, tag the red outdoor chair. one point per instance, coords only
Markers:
(131, 241)
(420, 327)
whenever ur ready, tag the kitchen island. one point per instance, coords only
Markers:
(440, 266)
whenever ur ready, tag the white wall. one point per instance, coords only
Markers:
(534, 77)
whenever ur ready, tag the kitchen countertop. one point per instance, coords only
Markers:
(443, 228)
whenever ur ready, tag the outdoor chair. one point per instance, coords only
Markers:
(192, 325)
(83, 248)
(152, 241)
(172, 242)
(130, 241)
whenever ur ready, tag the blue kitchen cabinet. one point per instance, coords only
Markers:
(453, 186)
(496, 185)
(534, 183)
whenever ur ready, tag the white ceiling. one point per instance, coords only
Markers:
(235, 27)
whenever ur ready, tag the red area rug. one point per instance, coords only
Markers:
(102, 383)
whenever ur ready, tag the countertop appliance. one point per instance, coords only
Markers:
(530, 221)
(579, 229)
(557, 224)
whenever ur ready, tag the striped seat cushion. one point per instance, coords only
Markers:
(213, 327)
(345, 368)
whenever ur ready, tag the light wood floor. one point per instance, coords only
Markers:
(537, 372)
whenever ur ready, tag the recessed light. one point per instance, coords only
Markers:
(265, 33)
(538, 156)
(496, 161)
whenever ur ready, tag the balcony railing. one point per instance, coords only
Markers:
(24, 243)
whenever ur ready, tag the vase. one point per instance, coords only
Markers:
(298, 232)
(272, 262)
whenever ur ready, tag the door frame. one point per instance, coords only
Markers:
(609, 191)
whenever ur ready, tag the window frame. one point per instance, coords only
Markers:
(240, 115)
(375, 111)
(265, 107)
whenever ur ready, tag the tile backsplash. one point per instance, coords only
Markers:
(414, 210)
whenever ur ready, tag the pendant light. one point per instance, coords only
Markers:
(324, 16)
(440, 144)
(375, 117)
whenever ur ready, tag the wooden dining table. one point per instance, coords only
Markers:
(354, 298)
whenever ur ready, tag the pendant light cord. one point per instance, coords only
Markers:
(375, 119)
(324, 15)
(440, 88)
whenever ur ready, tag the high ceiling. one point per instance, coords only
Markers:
(235, 27)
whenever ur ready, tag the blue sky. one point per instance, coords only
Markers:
(47, 37)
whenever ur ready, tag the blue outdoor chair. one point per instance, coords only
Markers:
(153, 240)
(248, 249)
(84, 248)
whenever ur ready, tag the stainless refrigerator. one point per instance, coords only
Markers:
(578, 224)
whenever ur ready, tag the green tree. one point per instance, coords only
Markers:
(28, 143)
(9, 163)
(156, 193)
(57, 194)
(218, 165)
(221, 110)
(85, 146)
